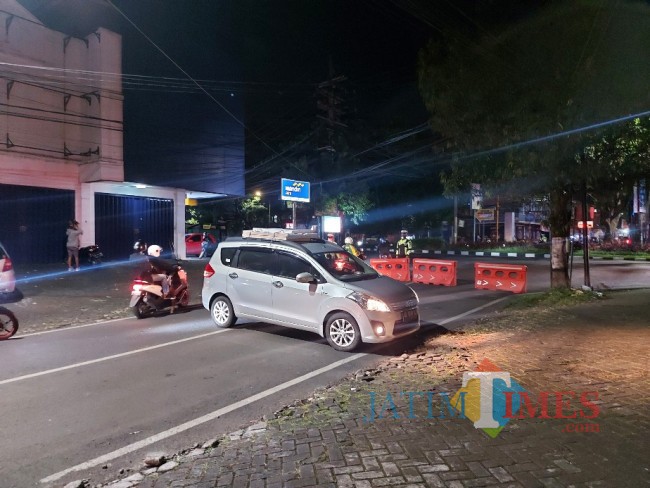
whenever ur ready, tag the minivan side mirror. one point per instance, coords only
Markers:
(305, 278)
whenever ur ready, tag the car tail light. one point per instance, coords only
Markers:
(208, 271)
(7, 266)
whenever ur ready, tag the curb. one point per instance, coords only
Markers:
(623, 258)
(528, 255)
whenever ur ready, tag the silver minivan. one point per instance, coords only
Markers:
(301, 281)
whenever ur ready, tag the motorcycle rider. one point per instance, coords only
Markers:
(349, 247)
(404, 247)
(161, 268)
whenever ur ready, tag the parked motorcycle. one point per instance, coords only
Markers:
(8, 324)
(91, 254)
(147, 297)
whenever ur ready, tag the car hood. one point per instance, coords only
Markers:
(396, 294)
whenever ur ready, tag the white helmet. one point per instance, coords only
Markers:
(154, 250)
(348, 240)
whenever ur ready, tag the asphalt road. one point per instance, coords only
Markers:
(94, 391)
(84, 402)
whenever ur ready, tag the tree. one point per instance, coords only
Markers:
(519, 101)
(253, 212)
(613, 164)
(353, 205)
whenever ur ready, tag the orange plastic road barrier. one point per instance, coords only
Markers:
(506, 277)
(398, 269)
(434, 272)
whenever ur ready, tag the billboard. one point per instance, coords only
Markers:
(484, 214)
(331, 224)
(296, 191)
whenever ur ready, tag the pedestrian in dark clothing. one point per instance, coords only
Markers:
(73, 244)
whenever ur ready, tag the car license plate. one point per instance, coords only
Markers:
(410, 315)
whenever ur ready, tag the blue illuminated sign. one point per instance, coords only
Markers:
(296, 191)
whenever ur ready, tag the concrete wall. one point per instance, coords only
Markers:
(63, 101)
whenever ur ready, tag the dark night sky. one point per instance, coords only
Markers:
(260, 59)
(276, 52)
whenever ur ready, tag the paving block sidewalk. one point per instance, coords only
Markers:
(332, 439)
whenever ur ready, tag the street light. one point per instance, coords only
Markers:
(258, 195)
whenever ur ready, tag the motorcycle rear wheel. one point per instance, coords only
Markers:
(141, 310)
(8, 324)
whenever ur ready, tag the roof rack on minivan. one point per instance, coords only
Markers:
(281, 234)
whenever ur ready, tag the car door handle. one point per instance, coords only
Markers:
(233, 275)
(278, 284)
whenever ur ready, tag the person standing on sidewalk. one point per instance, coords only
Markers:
(74, 236)
(205, 244)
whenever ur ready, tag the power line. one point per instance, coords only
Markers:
(189, 76)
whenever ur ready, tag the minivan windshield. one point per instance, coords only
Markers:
(344, 265)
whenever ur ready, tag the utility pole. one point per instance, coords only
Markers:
(476, 203)
(585, 234)
(455, 238)
(497, 217)
(330, 104)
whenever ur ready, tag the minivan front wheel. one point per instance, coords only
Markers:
(342, 332)
(222, 312)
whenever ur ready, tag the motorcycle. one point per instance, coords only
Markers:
(147, 297)
(386, 251)
(8, 324)
(91, 254)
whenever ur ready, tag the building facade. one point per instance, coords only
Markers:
(61, 147)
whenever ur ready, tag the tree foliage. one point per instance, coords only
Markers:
(253, 212)
(613, 164)
(354, 206)
(519, 101)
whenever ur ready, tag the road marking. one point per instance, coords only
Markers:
(456, 295)
(108, 358)
(227, 409)
(61, 329)
(200, 420)
(469, 312)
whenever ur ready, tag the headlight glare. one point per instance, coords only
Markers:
(368, 302)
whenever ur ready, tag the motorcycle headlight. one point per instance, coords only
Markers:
(368, 302)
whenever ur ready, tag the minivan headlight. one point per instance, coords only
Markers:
(368, 302)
